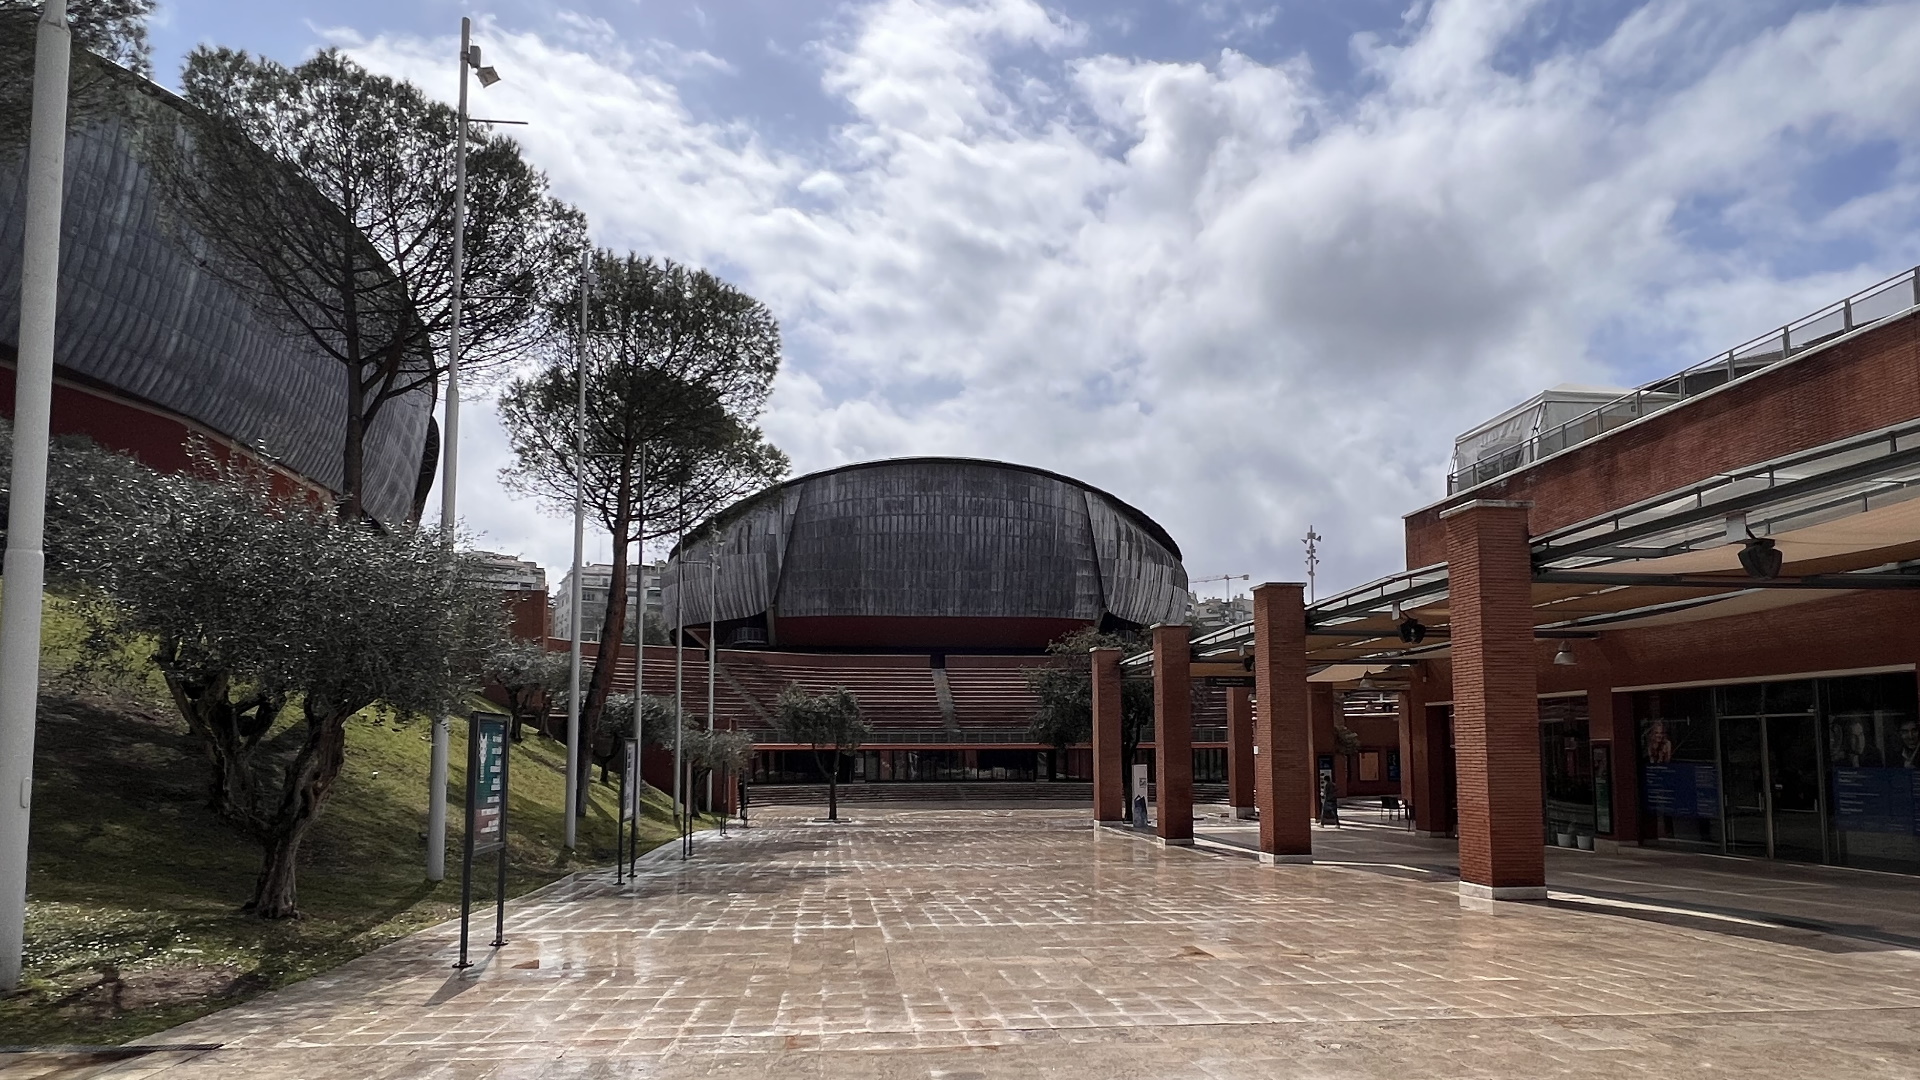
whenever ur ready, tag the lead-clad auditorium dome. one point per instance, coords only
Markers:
(152, 348)
(925, 553)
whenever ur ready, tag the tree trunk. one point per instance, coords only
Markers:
(612, 628)
(308, 784)
(229, 733)
(833, 789)
(353, 461)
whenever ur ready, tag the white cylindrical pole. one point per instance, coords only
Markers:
(25, 566)
(640, 622)
(713, 642)
(679, 657)
(450, 464)
(579, 552)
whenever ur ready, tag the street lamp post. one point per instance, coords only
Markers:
(579, 545)
(713, 646)
(25, 565)
(450, 438)
(680, 673)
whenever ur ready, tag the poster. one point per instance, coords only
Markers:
(1878, 800)
(630, 784)
(1682, 789)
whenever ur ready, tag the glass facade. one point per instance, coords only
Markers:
(1567, 771)
(1815, 770)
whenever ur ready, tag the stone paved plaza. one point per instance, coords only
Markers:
(1019, 944)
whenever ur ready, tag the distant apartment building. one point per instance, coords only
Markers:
(595, 580)
(1212, 612)
(511, 573)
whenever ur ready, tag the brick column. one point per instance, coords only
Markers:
(1240, 751)
(1173, 733)
(1403, 741)
(1109, 786)
(1495, 704)
(1321, 706)
(1424, 762)
(1610, 720)
(1282, 758)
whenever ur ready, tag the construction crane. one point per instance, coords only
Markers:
(1218, 577)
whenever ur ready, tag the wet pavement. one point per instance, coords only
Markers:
(971, 944)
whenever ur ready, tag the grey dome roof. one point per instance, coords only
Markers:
(141, 317)
(929, 538)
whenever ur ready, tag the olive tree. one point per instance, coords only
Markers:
(261, 606)
(717, 752)
(534, 678)
(830, 724)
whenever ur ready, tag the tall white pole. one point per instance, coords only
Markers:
(579, 552)
(640, 624)
(25, 566)
(450, 463)
(679, 656)
(713, 643)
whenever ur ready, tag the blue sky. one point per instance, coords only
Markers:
(1249, 265)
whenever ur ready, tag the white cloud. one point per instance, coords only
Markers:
(1223, 292)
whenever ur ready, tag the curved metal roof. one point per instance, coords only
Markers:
(1134, 514)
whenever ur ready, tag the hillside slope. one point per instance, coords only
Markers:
(133, 920)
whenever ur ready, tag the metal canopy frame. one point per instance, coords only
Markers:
(1795, 491)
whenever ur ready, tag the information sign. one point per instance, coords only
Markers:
(1229, 680)
(1682, 789)
(489, 785)
(630, 783)
(486, 819)
(1875, 800)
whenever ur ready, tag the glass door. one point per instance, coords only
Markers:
(1743, 756)
(1793, 775)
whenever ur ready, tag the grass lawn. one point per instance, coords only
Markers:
(133, 919)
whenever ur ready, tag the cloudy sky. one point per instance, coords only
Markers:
(1249, 265)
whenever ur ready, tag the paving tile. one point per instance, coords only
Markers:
(976, 944)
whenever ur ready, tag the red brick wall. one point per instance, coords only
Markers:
(1866, 383)
(1109, 784)
(1283, 762)
(1173, 729)
(1496, 717)
(1836, 633)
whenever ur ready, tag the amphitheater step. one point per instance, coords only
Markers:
(977, 793)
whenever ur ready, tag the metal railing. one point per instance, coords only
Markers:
(1883, 300)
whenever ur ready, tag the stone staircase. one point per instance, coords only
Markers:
(976, 793)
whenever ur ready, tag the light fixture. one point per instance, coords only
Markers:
(1366, 682)
(1565, 657)
(486, 75)
(1761, 558)
(1412, 631)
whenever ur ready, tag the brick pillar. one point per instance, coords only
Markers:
(1424, 762)
(1610, 720)
(1282, 754)
(1109, 786)
(1403, 740)
(1173, 733)
(1496, 708)
(1321, 706)
(1240, 751)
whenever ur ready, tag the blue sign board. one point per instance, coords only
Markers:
(1875, 800)
(1682, 789)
